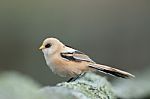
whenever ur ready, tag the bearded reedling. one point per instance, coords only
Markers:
(68, 62)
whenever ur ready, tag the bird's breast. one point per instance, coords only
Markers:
(56, 65)
(64, 67)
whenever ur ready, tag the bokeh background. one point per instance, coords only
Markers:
(111, 32)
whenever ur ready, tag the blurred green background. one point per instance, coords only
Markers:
(112, 32)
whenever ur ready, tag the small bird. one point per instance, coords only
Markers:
(68, 62)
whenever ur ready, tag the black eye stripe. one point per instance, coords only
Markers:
(47, 45)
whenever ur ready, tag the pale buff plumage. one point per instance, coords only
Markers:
(66, 61)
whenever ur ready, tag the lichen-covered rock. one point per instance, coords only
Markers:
(137, 88)
(14, 85)
(92, 86)
(60, 93)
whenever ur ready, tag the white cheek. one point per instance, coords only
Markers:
(47, 53)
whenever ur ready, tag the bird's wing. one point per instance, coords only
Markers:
(75, 55)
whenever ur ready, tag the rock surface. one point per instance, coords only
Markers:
(14, 85)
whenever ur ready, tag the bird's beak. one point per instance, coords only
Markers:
(42, 47)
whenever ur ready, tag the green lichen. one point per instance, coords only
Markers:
(92, 86)
(60, 93)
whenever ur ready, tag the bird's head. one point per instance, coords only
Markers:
(50, 46)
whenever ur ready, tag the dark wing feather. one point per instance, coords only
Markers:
(76, 56)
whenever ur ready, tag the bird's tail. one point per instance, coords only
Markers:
(111, 71)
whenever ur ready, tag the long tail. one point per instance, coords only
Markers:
(111, 71)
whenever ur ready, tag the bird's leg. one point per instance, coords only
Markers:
(77, 77)
(70, 79)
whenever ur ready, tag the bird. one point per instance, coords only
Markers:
(66, 61)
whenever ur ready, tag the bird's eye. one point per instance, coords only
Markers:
(47, 45)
